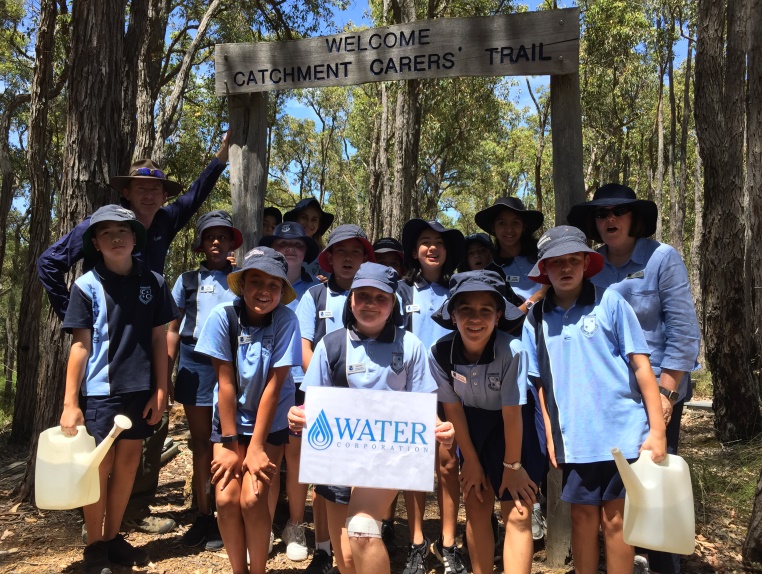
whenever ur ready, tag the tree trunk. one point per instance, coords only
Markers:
(378, 167)
(31, 296)
(542, 123)
(678, 213)
(659, 178)
(696, 258)
(752, 547)
(720, 99)
(674, 239)
(92, 142)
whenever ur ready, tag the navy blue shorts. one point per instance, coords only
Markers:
(276, 438)
(335, 494)
(488, 437)
(194, 385)
(99, 413)
(592, 482)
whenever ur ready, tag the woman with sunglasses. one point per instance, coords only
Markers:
(652, 277)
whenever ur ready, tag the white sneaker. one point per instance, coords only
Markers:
(539, 527)
(295, 541)
(272, 539)
(641, 565)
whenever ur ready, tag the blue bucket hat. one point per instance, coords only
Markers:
(563, 240)
(342, 233)
(268, 261)
(326, 219)
(485, 218)
(454, 241)
(218, 218)
(292, 230)
(113, 213)
(381, 277)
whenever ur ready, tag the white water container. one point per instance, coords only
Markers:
(66, 471)
(658, 507)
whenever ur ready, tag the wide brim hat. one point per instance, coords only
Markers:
(292, 230)
(615, 194)
(564, 240)
(113, 213)
(326, 219)
(454, 240)
(343, 233)
(218, 218)
(146, 169)
(487, 281)
(267, 261)
(485, 218)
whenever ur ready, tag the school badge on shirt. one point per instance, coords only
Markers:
(267, 343)
(589, 325)
(494, 382)
(397, 363)
(145, 296)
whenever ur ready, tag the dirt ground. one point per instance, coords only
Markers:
(35, 541)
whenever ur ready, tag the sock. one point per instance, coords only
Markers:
(536, 505)
(326, 546)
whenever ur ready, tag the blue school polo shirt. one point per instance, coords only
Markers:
(516, 271)
(121, 311)
(331, 315)
(427, 299)
(498, 379)
(655, 283)
(198, 292)
(305, 282)
(260, 348)
(581, 359)
(395, 361)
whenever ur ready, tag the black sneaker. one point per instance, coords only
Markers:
(97, 559)
(321, 563)
(387, 535)
(196, 534)
(125, 554)
(213, 537)
(416, 558)
(450, 557)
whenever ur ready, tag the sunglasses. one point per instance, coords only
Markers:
(151, 172)
(618, 211)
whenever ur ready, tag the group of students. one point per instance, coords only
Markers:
(538, 350)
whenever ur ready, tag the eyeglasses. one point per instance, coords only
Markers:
(151, 172)
(618, 211)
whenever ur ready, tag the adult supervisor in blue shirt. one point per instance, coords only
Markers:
(144, 191)
(652, 277)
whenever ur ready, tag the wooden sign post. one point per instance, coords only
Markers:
(531, 43)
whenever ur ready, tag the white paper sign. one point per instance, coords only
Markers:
(376, 439)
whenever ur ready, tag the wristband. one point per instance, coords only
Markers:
(529, 304)
(671, 395)
(228, 438)
(512, 466)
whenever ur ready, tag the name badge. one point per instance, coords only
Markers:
(458, 377)
(325, 314)
(513, 278)
(244, 339)
(412, 308)
(206, 289)
(637, 275)
(356, 368)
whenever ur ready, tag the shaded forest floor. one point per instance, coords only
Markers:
(49, 541)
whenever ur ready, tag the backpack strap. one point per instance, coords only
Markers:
(234, 331)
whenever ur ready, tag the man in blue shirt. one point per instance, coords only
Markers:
(144, 191)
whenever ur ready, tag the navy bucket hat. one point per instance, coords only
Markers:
(613, 194)
(454, 240)
(326, 219)
(342, 233)
(388, 245)
(485, 218)
(292, 230)
(118, 213)
(217, 218)
(267, 261)
(564, 240)
(380, 277)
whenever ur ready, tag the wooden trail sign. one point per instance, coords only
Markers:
(531, 43)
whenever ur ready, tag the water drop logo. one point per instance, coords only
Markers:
(320, 436)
